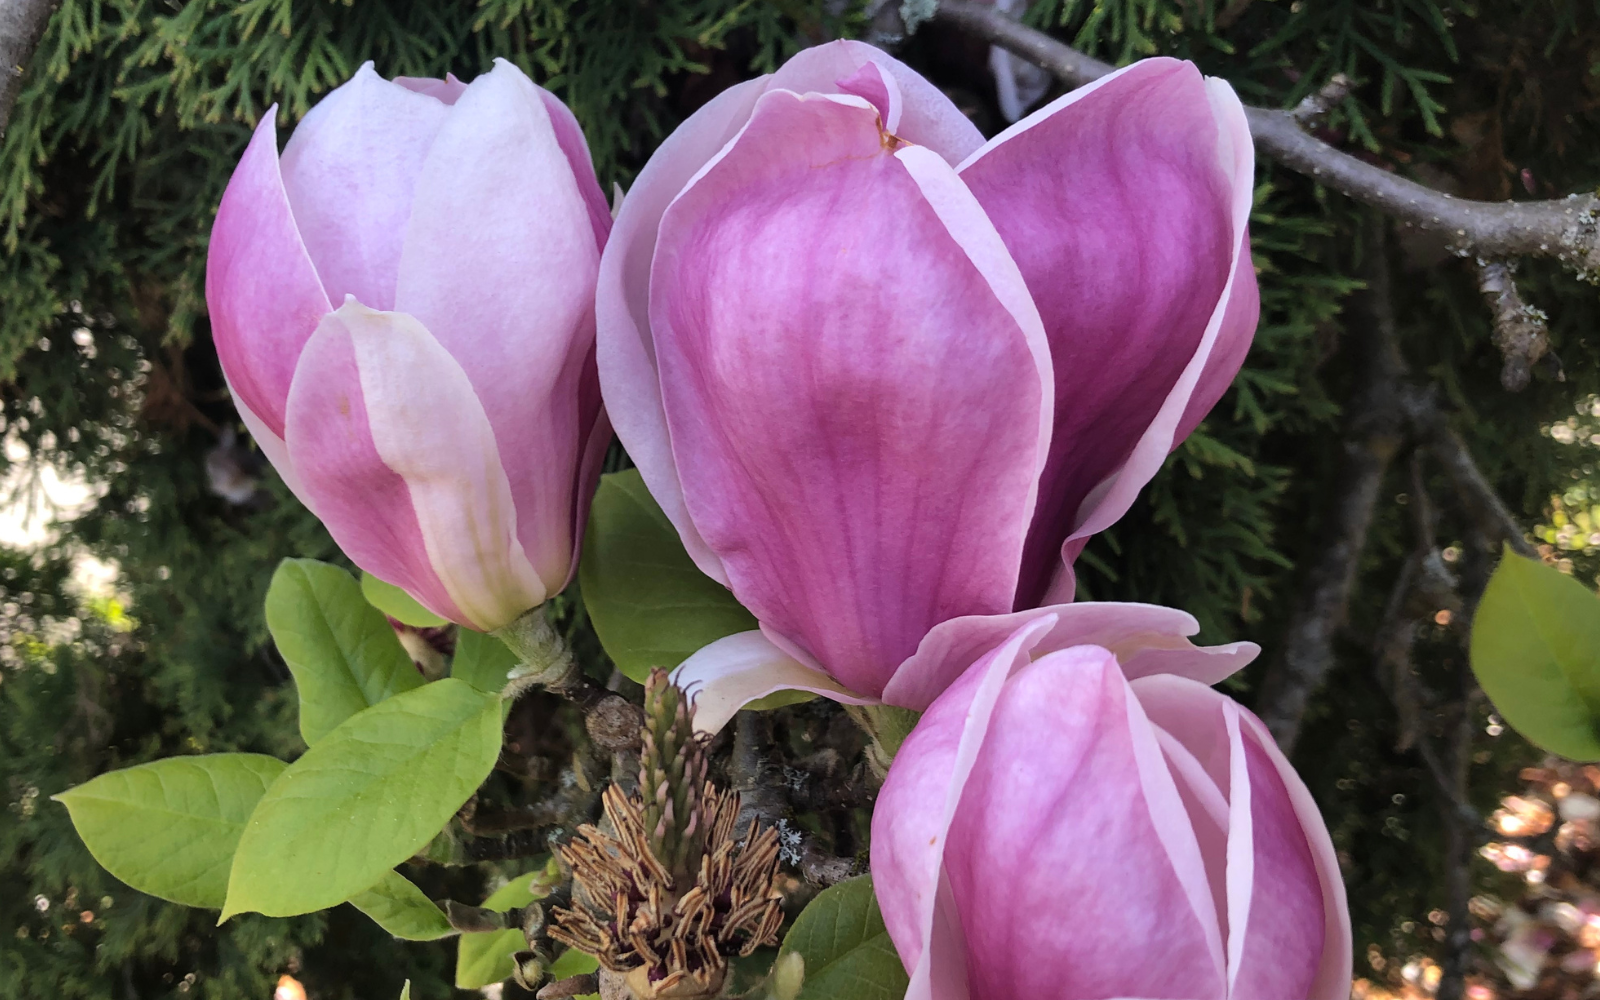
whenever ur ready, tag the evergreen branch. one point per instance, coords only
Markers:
(1567, 229)
(22, 24)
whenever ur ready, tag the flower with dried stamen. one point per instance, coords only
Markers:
(665, 894)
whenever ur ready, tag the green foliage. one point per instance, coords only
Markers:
(343, 654)
(650, 604)
(400, 908)
(1536, 651)
(847, 951)
(482, 661)
(169, 827)
(368, 796)
(484, 957)
(397, 604)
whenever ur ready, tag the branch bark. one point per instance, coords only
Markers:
(22, 24)
(1567, 229)
(1375, 432)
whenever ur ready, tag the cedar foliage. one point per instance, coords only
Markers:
(134, 113)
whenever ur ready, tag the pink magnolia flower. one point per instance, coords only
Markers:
(882, 375)
(403, 306)
(1083, 822)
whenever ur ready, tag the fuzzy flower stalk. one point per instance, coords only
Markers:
(666, 890)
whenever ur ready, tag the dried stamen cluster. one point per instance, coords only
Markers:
(668, 892)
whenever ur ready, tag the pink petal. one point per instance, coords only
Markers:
(499, 265)
(626, 353)
(570, 136)
(1288, 930)
(915, 808)
(1071, 856)
(350, 170)
(927, 117)
(365, 505)
(1254, 977)
(271, 445)
(446, 91)
(855, 381)
(1146, 638)
(1227, 355)
(878, 87)
(262, 290)
(744, 667)
(1117, 201)
(390, 390)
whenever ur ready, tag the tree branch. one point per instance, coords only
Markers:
(1567, 229)
(22, 24)
(1375, 431)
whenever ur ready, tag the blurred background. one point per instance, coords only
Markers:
(139, 526)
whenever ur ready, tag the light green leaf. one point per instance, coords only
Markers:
(169, 828)
(649, 603)
(398, 604)
(400, 908)
(405, 991)
(482, 661)
(1536, 651)
(368, 796)
(847, 951)
(485, 959)
(573, 962)
(343, 654)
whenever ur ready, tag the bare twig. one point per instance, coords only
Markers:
(1317, 104)
(22, 24)
(1519, 329)
(1375, 431)
(1492, 521)
(1567, 229)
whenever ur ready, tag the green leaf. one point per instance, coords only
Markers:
(398, 604)
(482, 661)
(400, 908)
(169, 828)
(1536, 651)
(485, 959)
(573, 962)
(405, 991)
(649, 603)
(846, 948)
(343, 654)
(368, 796)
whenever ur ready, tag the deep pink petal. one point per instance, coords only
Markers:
(1071, 856)
(1116, 202)
(499, 264)
(1288, 929)
(626, 349)
(365, 505)
(262, 290)
(570, 136)
(927, 117)
(878, 87)
(350, 170)
(1146, 638)
(914, 811)
(740, 668)
(844, 361)
(1234, 337)
(1332, 980)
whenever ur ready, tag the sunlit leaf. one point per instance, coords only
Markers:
(399, 907)
(169, 828)
(343, 653)
(398, 604)
(365, 798)
(1536, 651)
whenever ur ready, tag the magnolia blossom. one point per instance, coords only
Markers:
(403, 307)
(1083, 821)
(883, 376)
